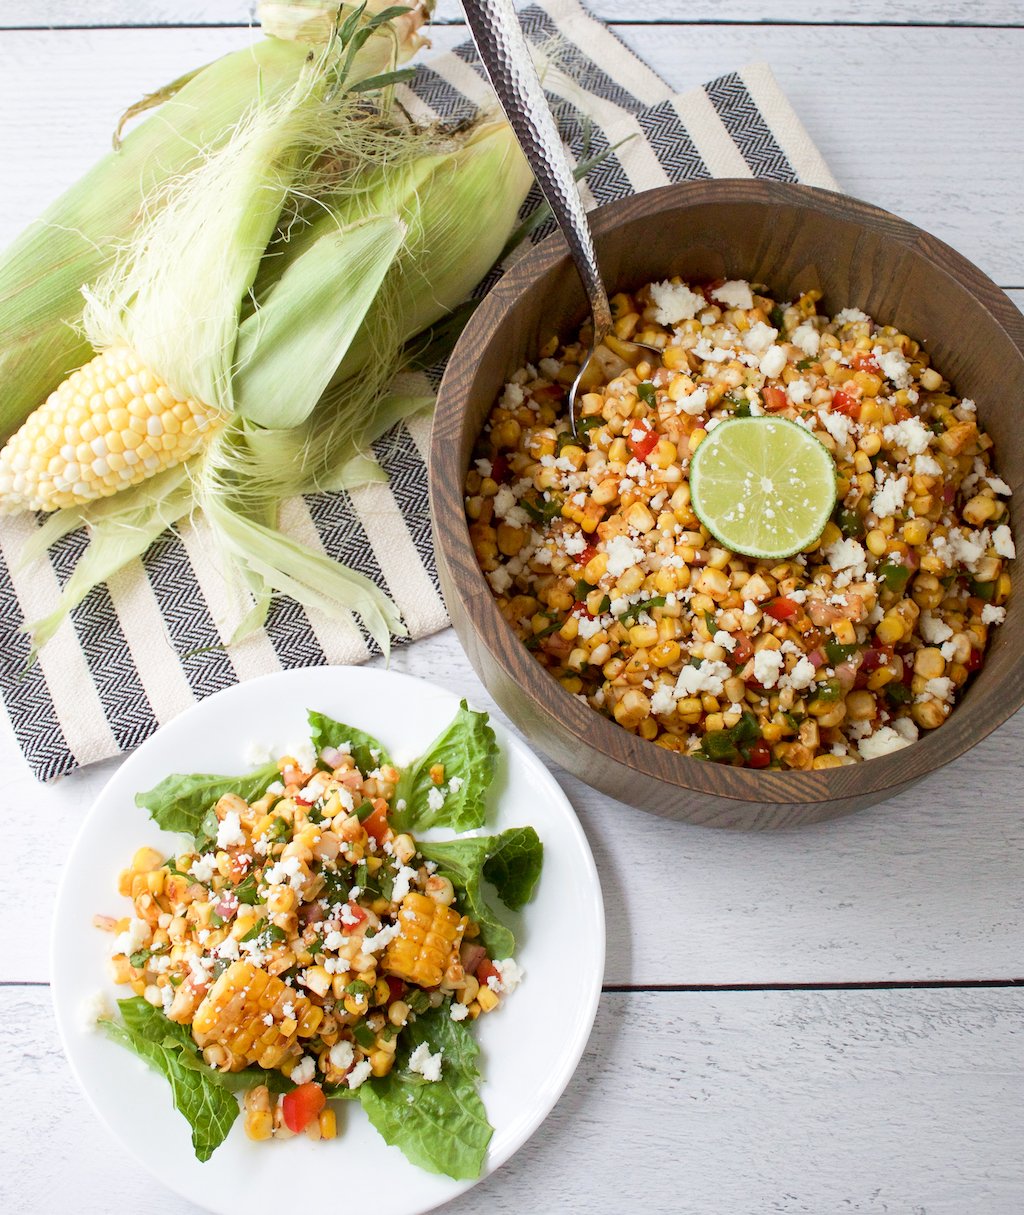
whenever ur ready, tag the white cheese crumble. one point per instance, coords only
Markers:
(726, 640)
(807, 339)
(772, 361)
(838, 425)
(459, 1012)
(850, 314)
(428, 1065)
(303, 1071)
(802, 675)
(675, 302)
(500, 580)
(889, 496)
(435, 798)
(203, 867)
(990, 614)
(359, 1074)
(759, 337)
(93, 1008)
(663, 700)
(894, 366)
(256, 754)
(735, 293)
(403, 878)
(847, 555)
(382, 939)
(696, 402)
(767, 667)
(882, 742)
(927, 466)
(941, 688)
(708, 677)
(341, 1055)
(287, 872)
(622, 555)
(911, 434)
(1002, 542)
(509, 973)
(229, 830)
(133, 938)
(799, 391)
(933, 630)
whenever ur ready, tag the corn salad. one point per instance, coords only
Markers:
(841, 653)
(303, 940)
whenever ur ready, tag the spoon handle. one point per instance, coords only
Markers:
(506, 57)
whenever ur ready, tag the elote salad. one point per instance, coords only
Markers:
(304, 947)
(689, 618)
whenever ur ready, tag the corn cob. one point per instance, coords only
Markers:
(110, 424)
(429, 941)
(234, 1015)
(73, 242)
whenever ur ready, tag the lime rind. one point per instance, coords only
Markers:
(764, 487)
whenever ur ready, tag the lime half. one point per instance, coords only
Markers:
(764, 487)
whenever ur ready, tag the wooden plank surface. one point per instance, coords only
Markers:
(869, 98)
(693, 1103)
(927, 886)
(64, 13)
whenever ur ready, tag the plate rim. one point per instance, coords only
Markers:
(510, 741)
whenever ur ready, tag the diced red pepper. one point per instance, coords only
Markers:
(485, 970)
(376, 824)
(760, 755)
(302, 1105)
(875, 658)
(499, 468)
(579, 608)
(774, 398)
(782, 608)
(743, 651)
(588, 554)
(974, 660)
(843, 402)
(355, 914)
(866, 362)
(642, 440)
(396, 988)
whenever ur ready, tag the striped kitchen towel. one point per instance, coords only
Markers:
(152, 641)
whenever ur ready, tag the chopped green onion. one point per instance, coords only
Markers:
(357, 988)
(630, 615)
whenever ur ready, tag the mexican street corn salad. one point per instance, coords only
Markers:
(305, 947)
(839, 652)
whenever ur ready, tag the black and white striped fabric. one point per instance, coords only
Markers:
(151, 642)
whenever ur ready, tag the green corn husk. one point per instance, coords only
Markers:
(43, 271)
(280, 281)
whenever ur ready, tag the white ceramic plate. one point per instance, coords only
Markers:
(529, 1048)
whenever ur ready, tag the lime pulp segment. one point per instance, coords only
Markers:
(763, 487)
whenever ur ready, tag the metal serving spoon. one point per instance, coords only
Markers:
(506, 57)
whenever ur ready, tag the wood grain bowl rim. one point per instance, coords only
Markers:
(869, 781)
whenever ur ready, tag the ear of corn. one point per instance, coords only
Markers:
(430, 939)
(335, 282)
(110, 425)
(255, 1016)
(73, 242)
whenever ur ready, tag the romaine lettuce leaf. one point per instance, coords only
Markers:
(469, 752)
(366, 750)
(441, 1125)
(511, 862)
(181, 803)
(206, 1103)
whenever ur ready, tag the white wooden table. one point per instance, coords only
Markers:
(817, 1021)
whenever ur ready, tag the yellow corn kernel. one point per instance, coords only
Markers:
(487, 999)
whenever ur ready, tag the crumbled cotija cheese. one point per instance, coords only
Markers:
(884, 740)
(890, 496)
(807, 338)
(622, 555)
(911, 434)
(759, 337)
(708, 677)
(734, 294)
(767, 667)
(675, 302)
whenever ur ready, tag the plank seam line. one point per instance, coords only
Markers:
(686, 988)
(863, 985)
(711, 21)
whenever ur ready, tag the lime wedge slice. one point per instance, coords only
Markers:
(763, 487)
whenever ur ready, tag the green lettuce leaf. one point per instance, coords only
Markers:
(206, 1103)
(469, 752)
(326, 732)
(181, 803)
(511, 862)
(441, 1125)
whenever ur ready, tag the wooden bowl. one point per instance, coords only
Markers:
(792, 238)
